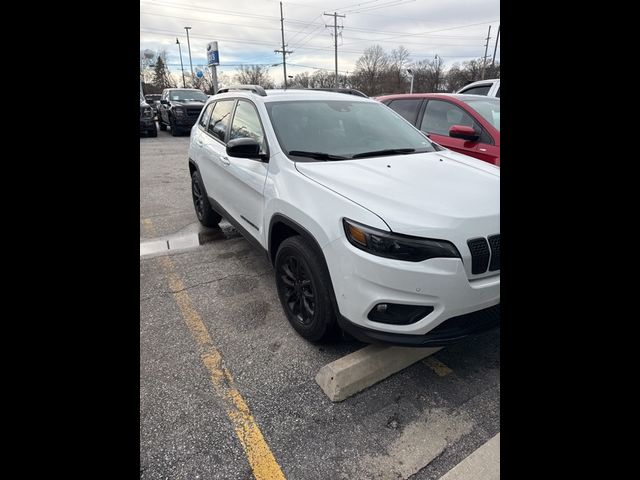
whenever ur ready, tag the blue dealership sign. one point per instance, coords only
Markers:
(213, 57)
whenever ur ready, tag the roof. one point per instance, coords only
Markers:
(279, 95)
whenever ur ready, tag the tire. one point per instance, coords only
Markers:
(153, 133)
(303, 288)
(207, 216)
(175, 131)
(163, 126)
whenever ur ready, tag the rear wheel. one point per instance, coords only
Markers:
(206, 215)
(303, 288)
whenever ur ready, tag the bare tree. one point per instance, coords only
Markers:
(396, 78)
(301, 80)
(460, 75)
(370, 68)
(323, 79)
(428, 76)
(254, 75)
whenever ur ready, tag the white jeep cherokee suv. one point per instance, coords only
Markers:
(369, 224)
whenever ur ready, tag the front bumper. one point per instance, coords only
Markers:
(147, 124)
(185, 121)
(361, 281)
(450, 331)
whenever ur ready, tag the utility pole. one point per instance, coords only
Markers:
(184, 85)
(335, 38)
(189, 44)
(284, 51)
(486, 45)
(495, 48)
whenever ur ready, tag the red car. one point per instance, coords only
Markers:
(468, 124)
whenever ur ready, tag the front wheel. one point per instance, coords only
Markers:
(303, 288)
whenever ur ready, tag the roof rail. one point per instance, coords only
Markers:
(350, 91)
(252, 88)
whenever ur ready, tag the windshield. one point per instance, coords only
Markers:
(187, 95)
(339, 129)
(489, 108)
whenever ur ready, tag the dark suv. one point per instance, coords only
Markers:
(147, 124)
(153, 99)
(180, 108)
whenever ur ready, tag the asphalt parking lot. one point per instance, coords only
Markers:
(227, 387)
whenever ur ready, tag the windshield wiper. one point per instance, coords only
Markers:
(380, 153)
(316, 155)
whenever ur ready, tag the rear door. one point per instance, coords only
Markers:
(213, 160)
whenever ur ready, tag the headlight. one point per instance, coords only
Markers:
(147, 112)
(178, 111)
(396, 246)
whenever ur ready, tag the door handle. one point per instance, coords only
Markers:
(225, 160)
(199, 142)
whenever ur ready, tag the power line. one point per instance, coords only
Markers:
(439, 30)
(261, 27)
(393, 3)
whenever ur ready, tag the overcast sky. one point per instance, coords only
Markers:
(248, 31)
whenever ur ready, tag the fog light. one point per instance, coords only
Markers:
(396, 314)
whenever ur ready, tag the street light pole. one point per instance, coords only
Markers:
(184, 85)
(411, 73)
(189, 45)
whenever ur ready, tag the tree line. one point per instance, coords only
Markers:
(377, 72)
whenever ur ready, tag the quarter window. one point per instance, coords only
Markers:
(220, 119)
(206, 115)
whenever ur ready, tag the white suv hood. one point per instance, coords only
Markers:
(438, 194)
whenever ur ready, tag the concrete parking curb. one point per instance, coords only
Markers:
(361, 369)
(483, 464)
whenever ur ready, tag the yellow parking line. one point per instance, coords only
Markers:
(263, 463)
(437, 366)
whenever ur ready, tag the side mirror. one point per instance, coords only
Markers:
(243, 148)
(464, 132)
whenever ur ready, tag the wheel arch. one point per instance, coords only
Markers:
(282, 227)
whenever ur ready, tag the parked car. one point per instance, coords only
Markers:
(179, 109)
(153, 99)
(468, 124)
(490, 88)
(369, 224)
(147, 124)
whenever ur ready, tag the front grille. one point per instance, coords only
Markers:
(494, 243)
(193, 112)
(483, 251)
(479, 255)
